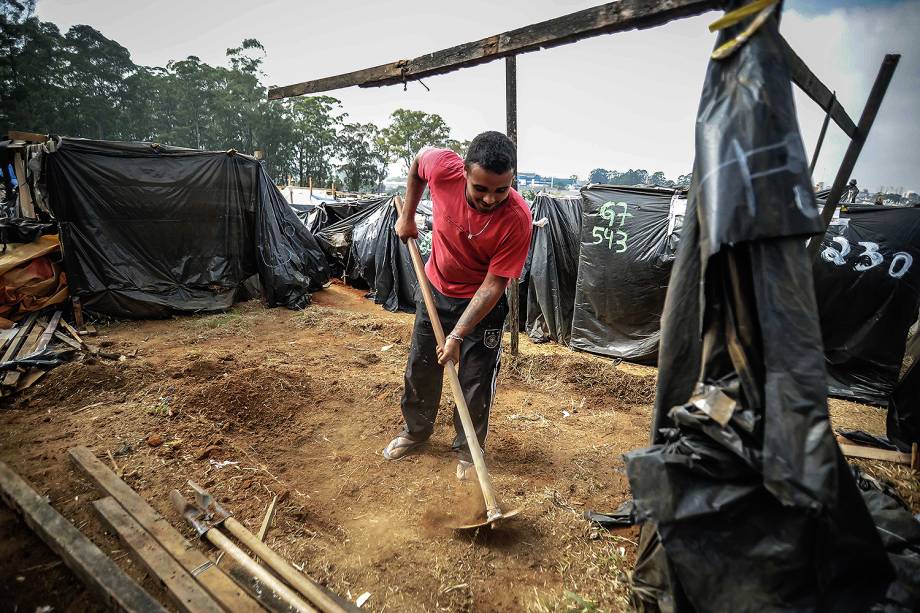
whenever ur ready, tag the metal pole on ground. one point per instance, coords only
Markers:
(511, 120)
(856, 144)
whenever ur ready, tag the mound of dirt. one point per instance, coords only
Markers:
(594, 378)
(245, 395)
(80, 382)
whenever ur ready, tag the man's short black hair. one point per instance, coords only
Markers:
(493, 151)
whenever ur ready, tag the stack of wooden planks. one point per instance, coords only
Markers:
(40, 342)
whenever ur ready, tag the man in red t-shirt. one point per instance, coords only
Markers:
(480, 241)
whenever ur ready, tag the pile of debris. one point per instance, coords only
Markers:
(41, 341)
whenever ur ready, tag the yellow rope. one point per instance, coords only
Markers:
(763, 8)
(730, 19)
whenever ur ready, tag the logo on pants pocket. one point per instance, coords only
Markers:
(491, 338)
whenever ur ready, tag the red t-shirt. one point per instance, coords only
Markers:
(458, 264)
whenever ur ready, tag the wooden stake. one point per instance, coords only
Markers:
(25, 196)
(77, 312)
(511, 122)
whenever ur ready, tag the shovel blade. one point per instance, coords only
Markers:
(493, 522)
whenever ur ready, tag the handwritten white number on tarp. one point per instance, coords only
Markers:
(904, 260)
(871, 251)
(900, 261)
(832, 255)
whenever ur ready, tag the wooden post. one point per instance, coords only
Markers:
(827, 120)
(511, 120)
(856, 144)
(26, 208)
(311, 190)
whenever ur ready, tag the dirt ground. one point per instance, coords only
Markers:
(256, 402)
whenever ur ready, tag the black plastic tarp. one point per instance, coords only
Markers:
(867, 279)
(624, 264)
(746, 501)
(382, 261)
(903, 424)
(552, 268)
(149, 230)
(336, 238)
(324, 214)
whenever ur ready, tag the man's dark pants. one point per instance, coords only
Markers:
(480, 355)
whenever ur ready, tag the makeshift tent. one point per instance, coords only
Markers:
(365, 247)
(867, 279)
(623, 269)
(323, 214)
(746, 500)
(336, 238)
(868, 297)
(149, 230)
(552, 268)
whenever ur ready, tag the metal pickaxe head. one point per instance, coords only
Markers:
(203, 514)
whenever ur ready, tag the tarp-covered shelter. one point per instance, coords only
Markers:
(867, 278)
(552, 268)
(623, 269)
(149, 230)
(365, 248)
(866, 283)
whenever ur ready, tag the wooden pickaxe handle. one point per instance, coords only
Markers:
(222, 542)
(304, 584)
(485, 481)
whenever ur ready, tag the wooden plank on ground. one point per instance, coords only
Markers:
(605, 19)
(11, 377)
(221, 587)
(67, 340)
(17, 341)
(49, 331)
(873, 453)
(95, 569)
(76, 335)
(187, 594)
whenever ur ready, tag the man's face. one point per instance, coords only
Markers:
(486, 190)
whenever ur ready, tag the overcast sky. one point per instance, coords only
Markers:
(619, 101)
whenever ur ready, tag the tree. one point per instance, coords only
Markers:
(316, 120)
(409, 131)
(598, 175)
(364, 164)
(684, 180)
(459, 147)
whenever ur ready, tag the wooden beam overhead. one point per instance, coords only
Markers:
(817, 91)
(604, 19)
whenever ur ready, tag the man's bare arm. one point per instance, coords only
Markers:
(482, 302)
(415, 187)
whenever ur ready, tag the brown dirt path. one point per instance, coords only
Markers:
(257, 402)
